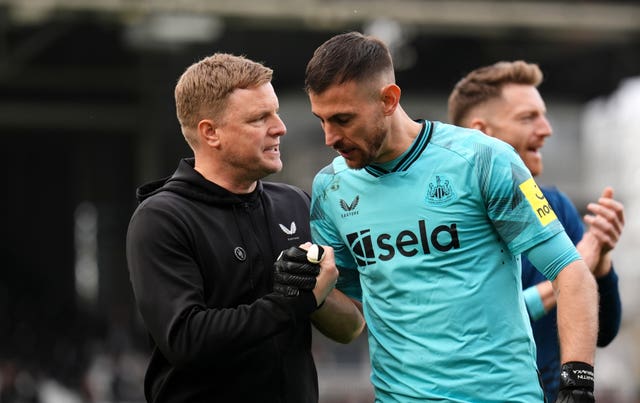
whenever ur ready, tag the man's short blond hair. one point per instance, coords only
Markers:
(202, 90)
(486, 83)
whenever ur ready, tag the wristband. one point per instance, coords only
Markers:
(576, 375)
(534, 304)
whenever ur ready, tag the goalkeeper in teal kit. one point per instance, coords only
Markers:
(428, 221)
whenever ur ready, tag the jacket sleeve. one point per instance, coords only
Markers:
(610, 308)
(169, 293)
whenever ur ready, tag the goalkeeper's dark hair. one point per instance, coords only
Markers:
(347, 57)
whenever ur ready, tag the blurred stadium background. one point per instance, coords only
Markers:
(86, 115)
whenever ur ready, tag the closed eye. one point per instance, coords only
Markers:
(341, 119)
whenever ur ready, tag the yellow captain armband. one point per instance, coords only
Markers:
(538, 202)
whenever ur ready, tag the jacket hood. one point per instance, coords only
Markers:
(188, 182)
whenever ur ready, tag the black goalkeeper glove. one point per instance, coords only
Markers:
(294, 273)
(576, 383)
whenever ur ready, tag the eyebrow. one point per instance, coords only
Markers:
(529, 111)
(261, 111)
(335, 116)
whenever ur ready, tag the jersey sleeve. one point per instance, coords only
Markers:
(553, 255)
(515, 204)
(323, 232)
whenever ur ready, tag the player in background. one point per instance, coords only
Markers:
(503, 101)
(428, 222)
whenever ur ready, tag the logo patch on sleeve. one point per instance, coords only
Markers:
(538, 202)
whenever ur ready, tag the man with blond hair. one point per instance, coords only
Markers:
(503, 101)
(227, 323)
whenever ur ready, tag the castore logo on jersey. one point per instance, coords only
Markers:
(406, 242)
(350, 208)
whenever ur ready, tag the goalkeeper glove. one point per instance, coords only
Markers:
(576, 383)
(293, 272)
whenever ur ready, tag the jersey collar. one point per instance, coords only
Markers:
(404, 161)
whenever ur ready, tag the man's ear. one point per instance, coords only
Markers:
(390, 94)
(480, 124)
(208, 133)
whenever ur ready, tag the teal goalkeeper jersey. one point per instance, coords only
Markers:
(430, 243)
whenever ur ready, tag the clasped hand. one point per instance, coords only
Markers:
(306, 268)
(293, 272)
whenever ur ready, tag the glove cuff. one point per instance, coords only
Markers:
(576, 375)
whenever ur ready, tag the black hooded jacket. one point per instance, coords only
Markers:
(200, 262)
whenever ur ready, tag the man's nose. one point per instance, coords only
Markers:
(331, 136)
(544, 127)
(279, 128)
